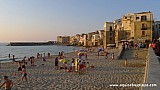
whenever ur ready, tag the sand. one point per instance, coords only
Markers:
(105, 73)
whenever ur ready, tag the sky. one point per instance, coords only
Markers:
(44, 20)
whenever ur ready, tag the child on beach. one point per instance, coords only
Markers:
(7, 83)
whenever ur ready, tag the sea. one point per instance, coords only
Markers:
(27, 51)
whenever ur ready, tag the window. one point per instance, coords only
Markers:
(110, 34)
(110, 29)
(158, 26)
(144, 26)
(110, 38)
(137, 18)
(143, 33)
(143, 18)
(125, 17)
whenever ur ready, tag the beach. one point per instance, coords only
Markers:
(105, 73)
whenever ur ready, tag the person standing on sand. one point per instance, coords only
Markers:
(112, 56)
(106, 55)
(24, 74)
(7, 83)
(9, 56)
(56, 63)
(13, 58)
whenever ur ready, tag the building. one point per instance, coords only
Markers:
(119, 33)
(75, 39)
(83, 40)
(89, 38)
(156, 29)
(101, 37)
(109, 34)
(63, 39)
(138, 26)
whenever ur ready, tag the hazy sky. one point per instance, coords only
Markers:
(43, 20)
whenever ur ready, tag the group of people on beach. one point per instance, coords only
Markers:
(76, 65)
(22, 73)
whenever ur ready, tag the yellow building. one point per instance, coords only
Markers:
(143, 27)
(138, 26)
(109, 34)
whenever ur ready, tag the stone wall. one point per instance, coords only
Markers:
(153, 71)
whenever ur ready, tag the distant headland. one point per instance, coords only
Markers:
(31, 43)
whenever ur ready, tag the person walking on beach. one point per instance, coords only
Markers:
(56, 63)
(7, 83)
(24, 74)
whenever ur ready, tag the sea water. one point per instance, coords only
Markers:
(21, 51)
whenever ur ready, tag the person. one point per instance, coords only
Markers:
(87, 66)
(44, 59)
(7, 83)
(112, 56)
(80, 67)
(73, 64)
(19, 68)
(86, 56)
(106, 55)
(98, 54)
(49, 55)
(13, 58)
(24, 74)
(9, 56)
(56, 63)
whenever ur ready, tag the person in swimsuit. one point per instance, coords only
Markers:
(19, 68)
(24, 74)
(7, 83)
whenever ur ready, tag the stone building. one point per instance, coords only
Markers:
(138, 26)
(156, 29)
(63, 39)
(109, 34)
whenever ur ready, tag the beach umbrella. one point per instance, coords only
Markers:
(63, 60)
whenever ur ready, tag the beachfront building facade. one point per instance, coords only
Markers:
(138, 26)
(89, 38)
(95, 39)
(156, 29)
(74, 39)
(63, 39)
(83, 40)
(101, 37)
(109, 34)
(143, 27)
(119, 32)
